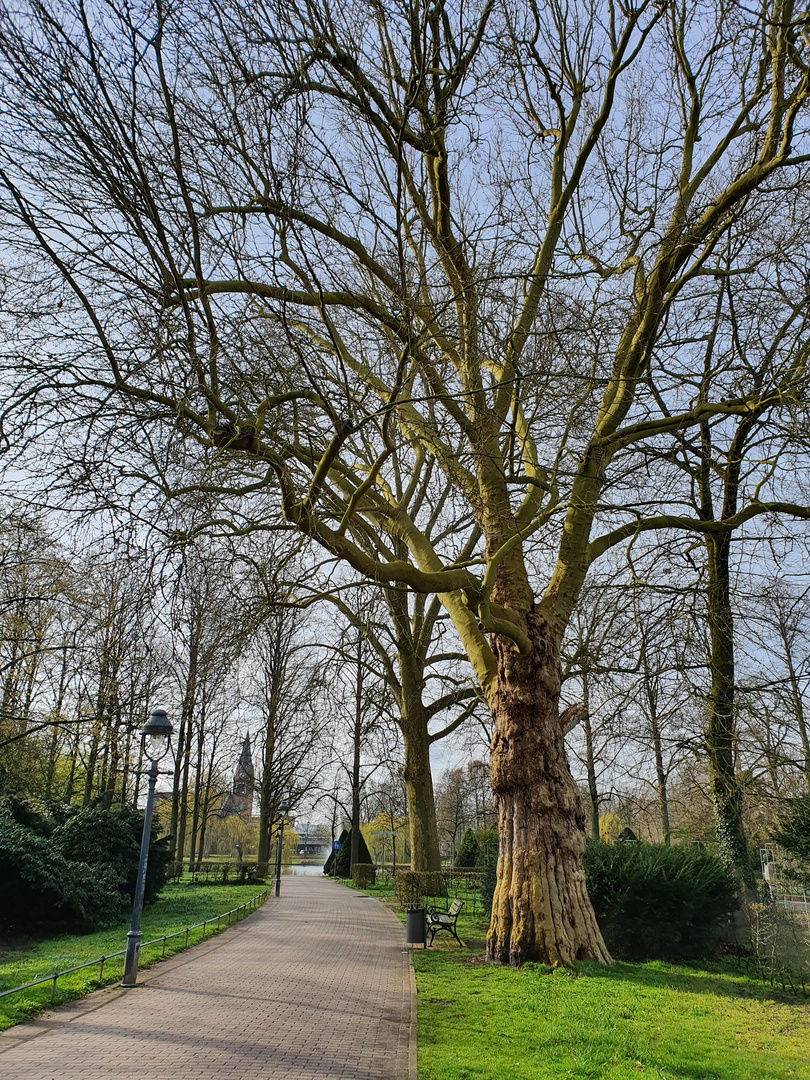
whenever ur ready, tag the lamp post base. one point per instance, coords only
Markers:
(130, 975)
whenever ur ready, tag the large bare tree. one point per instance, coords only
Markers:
(344, 249)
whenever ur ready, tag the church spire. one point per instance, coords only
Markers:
(245, 766)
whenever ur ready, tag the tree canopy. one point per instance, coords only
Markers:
(436, 277)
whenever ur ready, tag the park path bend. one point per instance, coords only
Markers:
(316, 983)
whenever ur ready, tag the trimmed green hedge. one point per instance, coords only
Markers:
(412, 887)
(659, 903)
(363, 875)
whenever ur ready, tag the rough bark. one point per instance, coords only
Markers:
(198, 794)
(651, 691)
(180, 777)
(541, 909)
(92, 758)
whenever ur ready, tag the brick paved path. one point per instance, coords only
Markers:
(315, 984)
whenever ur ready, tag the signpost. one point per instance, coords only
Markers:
(335, 849)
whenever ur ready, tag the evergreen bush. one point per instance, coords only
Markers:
(38, 885)
(654, 902)
(329, 865)
(793, 834)
(467, 854)
(487, 865)
(78, 874)
(112, 838)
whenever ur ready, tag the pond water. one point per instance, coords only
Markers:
(301, 870)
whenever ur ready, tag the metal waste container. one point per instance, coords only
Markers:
(415, 929)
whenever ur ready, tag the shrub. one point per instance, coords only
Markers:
(39, 885)
(363, 875)
(80, 873)
(225, 873)
(329, 865)
(408, 889)
(23, 813)
(793, 835)
(412, 886)
(112, 838)
(467, 855)
(657, 902)
(487, 864)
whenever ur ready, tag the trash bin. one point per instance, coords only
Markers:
(415, 930)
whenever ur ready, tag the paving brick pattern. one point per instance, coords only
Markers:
(315, 984)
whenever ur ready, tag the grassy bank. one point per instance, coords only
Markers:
(179, 905)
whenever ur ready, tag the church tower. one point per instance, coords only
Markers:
(240, 799)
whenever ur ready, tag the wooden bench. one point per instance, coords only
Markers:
(443, 919)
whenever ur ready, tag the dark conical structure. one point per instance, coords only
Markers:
(339, 863)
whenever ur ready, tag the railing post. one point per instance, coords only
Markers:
(101, 968)
(164, 946)
(53, 986)
(186, 935)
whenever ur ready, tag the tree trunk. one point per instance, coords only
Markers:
(541, 909)
(413, 723)
(198, 788)
(658, 750)
(660, 772)
(354, 852)
(268, 796)
(53, 749)
(590, 763)
(186, 712)
(182, 817)
(92, 757)
(798, 708)
(725, 789)
(422, 826)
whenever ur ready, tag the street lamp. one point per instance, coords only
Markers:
(283, 808)
(155, 736)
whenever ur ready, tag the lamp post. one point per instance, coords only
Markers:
(283, 808)
(155, 737)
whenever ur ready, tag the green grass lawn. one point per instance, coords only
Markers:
(479, 1021)
(179, 905)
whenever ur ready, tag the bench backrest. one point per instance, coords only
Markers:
(456, 907)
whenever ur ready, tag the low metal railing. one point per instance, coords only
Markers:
(253, 903)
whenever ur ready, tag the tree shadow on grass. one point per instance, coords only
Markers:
(691, 979)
